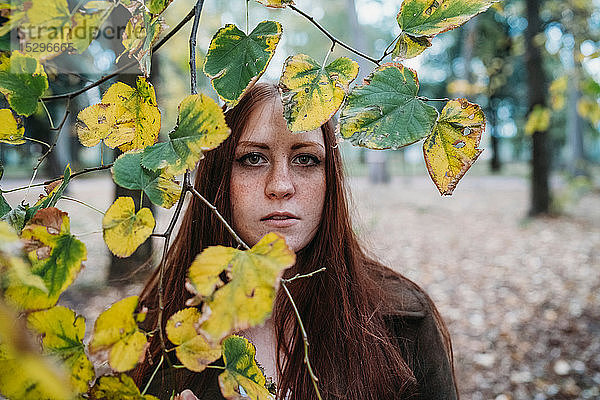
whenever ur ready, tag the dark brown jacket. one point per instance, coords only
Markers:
(413, 325)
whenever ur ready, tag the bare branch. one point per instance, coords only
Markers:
(105, 78)
(192, 43)
(333, 38)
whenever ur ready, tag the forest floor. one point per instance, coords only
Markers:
(521, 297)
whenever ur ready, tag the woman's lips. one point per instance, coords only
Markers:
(280, 219)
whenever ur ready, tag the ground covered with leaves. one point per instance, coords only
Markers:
(521, 297)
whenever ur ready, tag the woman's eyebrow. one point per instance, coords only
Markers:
(247, 143)
(300, 145)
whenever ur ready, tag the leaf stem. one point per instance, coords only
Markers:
(247, 16)
(48, 114)
(331, 37)
(313, 377)
(37, 141)
(215, 367)
(327, 55)
(386, 52)
(83, 203)
(423, 98)
(298, 276)
(153, 375)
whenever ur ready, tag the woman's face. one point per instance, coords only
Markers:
(278, 179)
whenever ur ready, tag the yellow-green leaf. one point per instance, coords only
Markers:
(48, 28)
(23, 81)
(538, 120)
(246, 300)
(193, 350)
(421, 20)
(55, 256)
(124, 230)
(141, 31)
(138, 105)
(62, 335)
(159, 186)
(25, 374)
(200, 127)
(589, 109)
(276, 3)
(311, 94)
(120, 387)
(99, 123)
(453, 146)
(116, 332)
(87, 21)
(10, 132)
(235, 61)
(558, 92)
(241, 371)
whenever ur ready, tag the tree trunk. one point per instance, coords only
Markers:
(537, 91)
(376, 163)
(495, 163)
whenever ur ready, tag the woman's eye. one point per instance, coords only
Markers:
(306, 159)
(251, 159)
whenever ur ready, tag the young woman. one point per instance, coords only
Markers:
(373, 333)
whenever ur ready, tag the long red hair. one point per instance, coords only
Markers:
(352, 350)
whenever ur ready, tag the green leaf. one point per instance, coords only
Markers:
(124, 230)
(116, 333)
(10, 132)
(193, 350)
(16, 217)
(385, 112)
(55, 256)
(157, 6)
(4, 206)
(421, 20)
(311, 94)
(22, 81)
(246, 299)
(452, 147)
(200, 127)
(138, 106)
(62, 335)
(242, 371)
(159, 186)
(235, 61)
(119, 387)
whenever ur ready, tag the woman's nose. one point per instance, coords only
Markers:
(279, 183)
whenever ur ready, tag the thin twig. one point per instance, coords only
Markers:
(219, 216)
(298, 276)
(73, 175)
(333, 38)
(105, 78)
(192, 42)
(313, 377)
(47, 114)
(83, 203)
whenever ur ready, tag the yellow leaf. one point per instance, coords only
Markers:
(124, 230)
(452, 146)
(242, 377)
(117, 333)
(10, 132)
(25, 374)
(99, 122)
(276, 3)
(62, 334)
(192, 348)
(246, 300)
(590, 110)
(48, 32)
(119, 387)
(311, 94)
(138, 105)
(538, 120)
